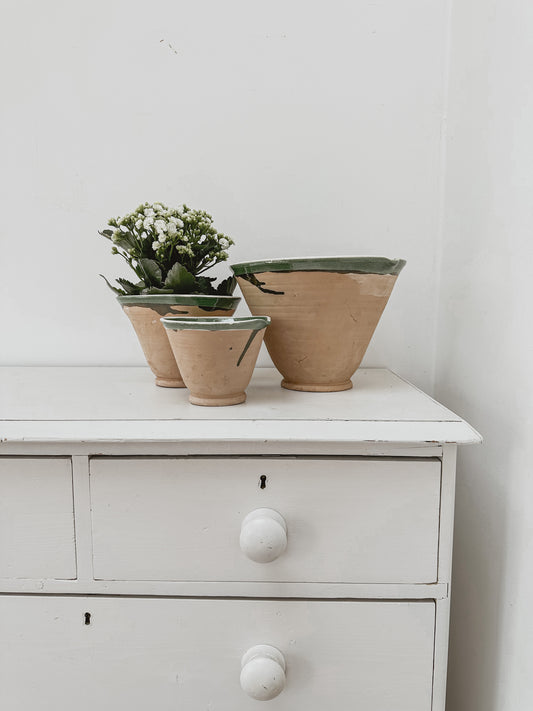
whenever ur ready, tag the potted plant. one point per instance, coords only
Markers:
(169, 250)
(324, 311)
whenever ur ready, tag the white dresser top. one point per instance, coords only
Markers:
(122, 404)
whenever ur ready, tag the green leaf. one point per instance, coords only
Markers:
(131, 288)
(204, 285)
(117, 291)
(227, 286)
(125, 241)
(150, 271)
(106, 233)
(179, 279)
(155, 290)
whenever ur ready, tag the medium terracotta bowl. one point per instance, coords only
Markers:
(324, 311)
(145, 312)
(216, 356)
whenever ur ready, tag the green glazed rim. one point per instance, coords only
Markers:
(215, 323)
(352, 265)
(201, 300)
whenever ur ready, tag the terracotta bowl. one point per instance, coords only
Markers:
(145, 312)
(324, 311)
(216, 356)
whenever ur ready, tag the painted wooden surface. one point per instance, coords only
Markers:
(445, 570)
(359, 520)
(232, 437)
(75, 404)
(186, 654)
(78, 393)
(240, 588)
(36, 519)
(358, 602)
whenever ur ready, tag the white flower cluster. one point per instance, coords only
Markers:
(155, 235)
(165, 227)
(167, 231)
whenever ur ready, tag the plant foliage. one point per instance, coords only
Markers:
(169, 250)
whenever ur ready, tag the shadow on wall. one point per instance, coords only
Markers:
(480, 564)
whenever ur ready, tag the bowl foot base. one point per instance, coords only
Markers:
(317, 387)
(235, 399)
(169, 383)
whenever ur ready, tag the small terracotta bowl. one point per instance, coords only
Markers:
(216, 355)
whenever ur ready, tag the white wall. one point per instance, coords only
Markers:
(304, 127)
(485, 351)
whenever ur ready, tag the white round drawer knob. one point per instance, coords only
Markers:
(263, 535)
(263, 672)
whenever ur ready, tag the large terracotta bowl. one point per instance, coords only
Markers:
(324, 312)
(145, 312)
(216, 355)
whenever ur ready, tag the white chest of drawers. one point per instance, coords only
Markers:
(154, 554)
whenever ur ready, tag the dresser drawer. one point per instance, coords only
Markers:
(347, 520)
(36, 518)
(173, 654)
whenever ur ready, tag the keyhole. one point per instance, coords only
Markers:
(262, 481)
(87, 618)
